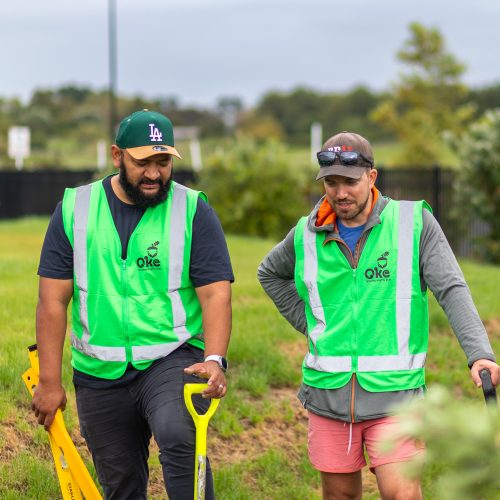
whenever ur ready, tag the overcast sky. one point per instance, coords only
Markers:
(199, 50)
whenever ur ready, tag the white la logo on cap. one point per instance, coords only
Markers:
(155, 134)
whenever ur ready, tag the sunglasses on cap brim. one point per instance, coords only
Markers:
(346, 158)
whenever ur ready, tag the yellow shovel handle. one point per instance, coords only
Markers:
(201, 424)
(189, 390)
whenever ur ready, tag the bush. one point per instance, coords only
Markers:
(254, 189)
(478, 179)
(462, 441)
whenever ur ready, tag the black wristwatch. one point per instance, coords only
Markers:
(220, 360)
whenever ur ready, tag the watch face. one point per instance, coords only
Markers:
(223, 362)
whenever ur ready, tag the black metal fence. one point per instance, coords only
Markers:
(436, 187)
(37, 193)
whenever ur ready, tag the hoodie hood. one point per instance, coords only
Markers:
(323, 218)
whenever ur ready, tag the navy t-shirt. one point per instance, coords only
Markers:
(350, 235)
(210, 260)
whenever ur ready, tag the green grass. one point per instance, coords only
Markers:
(260, 408)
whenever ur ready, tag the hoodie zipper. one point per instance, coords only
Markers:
(353, 261)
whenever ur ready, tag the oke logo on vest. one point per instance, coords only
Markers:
(379, 272)
(149, 261)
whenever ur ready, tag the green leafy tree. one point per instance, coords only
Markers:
(259, 127)
(485, 98)
(294, 111)
(478, 179)
(254, 190)
(297, 110)
(427, 100)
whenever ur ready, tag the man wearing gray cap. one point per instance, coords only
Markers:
(353, 277)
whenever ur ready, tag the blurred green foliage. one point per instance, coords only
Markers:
(478, 179)
(254, 190)
(462, 438)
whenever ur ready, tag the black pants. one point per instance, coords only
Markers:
(117, 424)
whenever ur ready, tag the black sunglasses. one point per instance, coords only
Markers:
(346, 158)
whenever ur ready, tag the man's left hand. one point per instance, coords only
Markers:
(217, 385)
(491, 366)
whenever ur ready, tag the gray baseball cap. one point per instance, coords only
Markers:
(347, 142)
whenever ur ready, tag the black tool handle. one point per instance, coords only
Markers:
(490, 393)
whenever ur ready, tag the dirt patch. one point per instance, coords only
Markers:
(13, 441)
(287, 430)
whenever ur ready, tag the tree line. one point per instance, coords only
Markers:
(82, 114)
(428, 101)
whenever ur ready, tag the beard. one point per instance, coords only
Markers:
(352, 212)
(137, 196)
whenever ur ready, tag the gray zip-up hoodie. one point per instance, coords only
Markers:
(439, 271)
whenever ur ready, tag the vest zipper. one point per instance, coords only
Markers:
(355, 361)
(125, 310)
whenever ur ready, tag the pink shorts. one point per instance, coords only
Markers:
(335, 446)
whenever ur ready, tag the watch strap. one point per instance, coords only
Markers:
(220, 360)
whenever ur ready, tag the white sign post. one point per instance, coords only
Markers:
(19, 144)
(316, 140)
(101, 154)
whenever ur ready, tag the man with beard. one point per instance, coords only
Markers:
(145, 261)
(353, 277)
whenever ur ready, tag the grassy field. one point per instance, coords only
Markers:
(257, 439)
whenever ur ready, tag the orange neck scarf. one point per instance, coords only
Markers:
(326, 215)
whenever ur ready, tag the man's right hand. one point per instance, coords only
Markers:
(47, 399)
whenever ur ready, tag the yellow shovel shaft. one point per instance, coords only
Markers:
(201, 425)
(74, 478)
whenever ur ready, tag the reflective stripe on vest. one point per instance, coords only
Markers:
(403, 360)
(176, 241)
(320, 363)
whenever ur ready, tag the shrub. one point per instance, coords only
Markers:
(478, 179)
(462, 442)
(254, 190)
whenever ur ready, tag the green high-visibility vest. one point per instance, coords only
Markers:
(134, 310)
(371, 320)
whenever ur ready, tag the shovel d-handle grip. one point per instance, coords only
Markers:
(189, 390)
(490, 393)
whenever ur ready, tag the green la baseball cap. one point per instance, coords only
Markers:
(146, 133)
